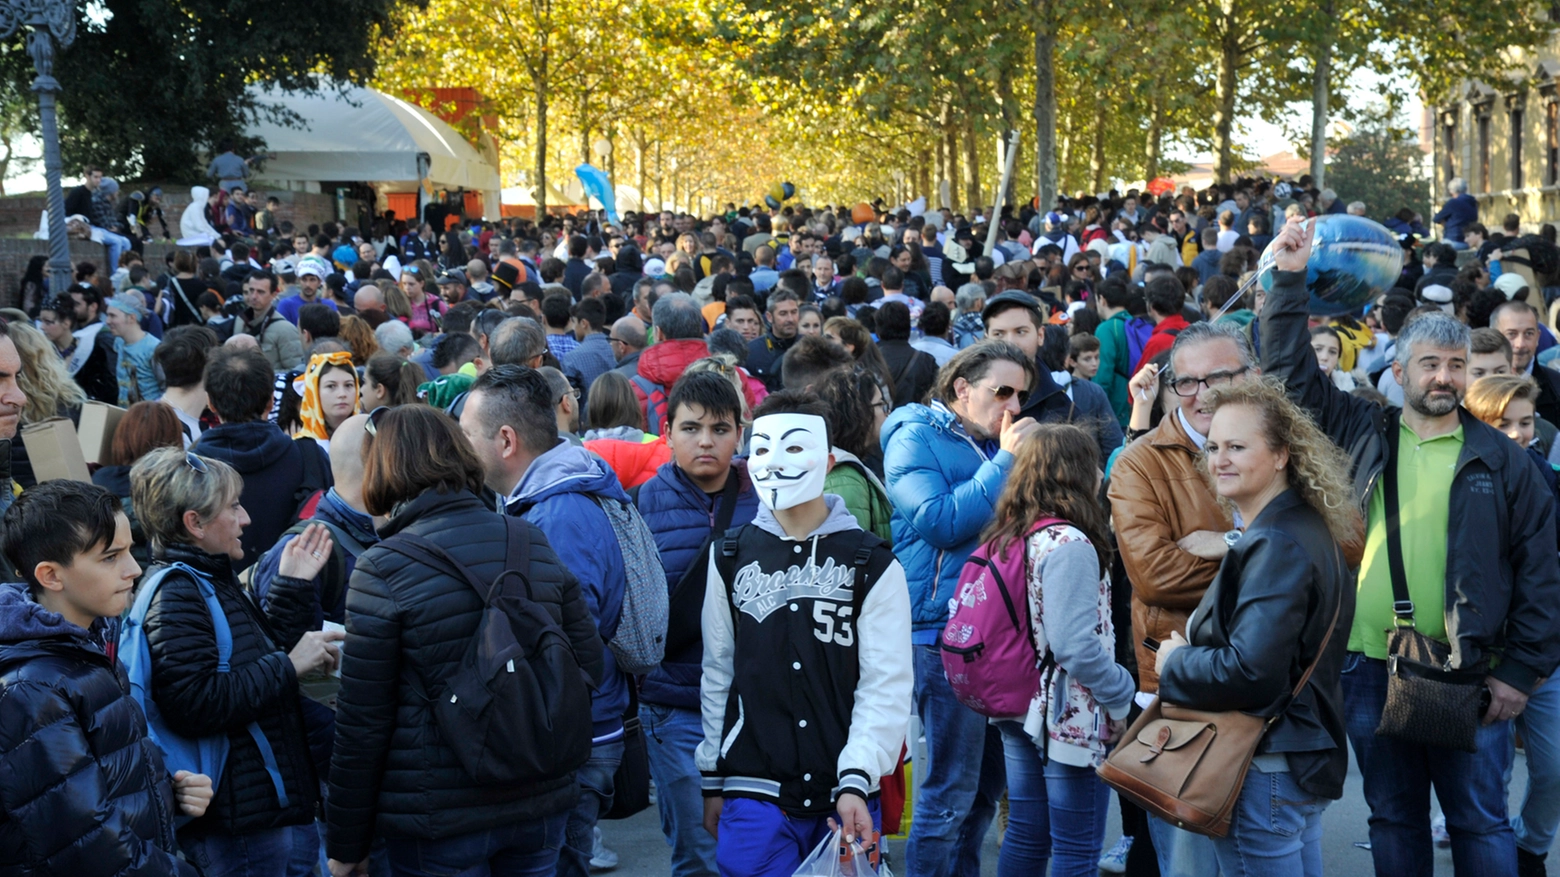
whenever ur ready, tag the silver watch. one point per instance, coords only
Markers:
(1231, 537)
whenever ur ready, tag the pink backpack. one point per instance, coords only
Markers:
(988, 647)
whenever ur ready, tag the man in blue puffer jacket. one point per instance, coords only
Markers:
(944, 466)
(557, 486)
(682, 505)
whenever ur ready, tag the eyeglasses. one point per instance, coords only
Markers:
(372, 426)
(1188, 386)
(1080, 269)
(195, 463)
(1003, 393)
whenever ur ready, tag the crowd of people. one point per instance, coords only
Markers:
(425, 550)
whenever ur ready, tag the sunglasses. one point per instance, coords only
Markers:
(372, 426)
(195, 463)
(1080, 269)
(1003, 392)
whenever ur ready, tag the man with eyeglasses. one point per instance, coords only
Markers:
(628, 342)
(1019, 319)
(1171, 530)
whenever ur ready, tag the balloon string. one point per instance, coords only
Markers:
(1244, 287)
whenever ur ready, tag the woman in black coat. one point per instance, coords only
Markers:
(264, 807)
(1283, 598)
(391, 768)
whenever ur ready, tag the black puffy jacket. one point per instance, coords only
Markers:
(262, 687)
(84, 792)
(390, 767)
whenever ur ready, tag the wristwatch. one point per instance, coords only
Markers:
(1231, 537)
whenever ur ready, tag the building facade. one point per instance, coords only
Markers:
(1504, 139)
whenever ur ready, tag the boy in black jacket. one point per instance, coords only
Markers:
(86, 793)
(790, 743)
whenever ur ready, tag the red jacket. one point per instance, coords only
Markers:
(1160, 339)
(664, 362)
(634, 463)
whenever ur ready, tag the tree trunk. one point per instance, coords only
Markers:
(1154, 148)
(1224, 109)
(660, 179)
(541, 141)
(951, 143)
(1097, 148)
(1045, 107)
(1321, 84)
(639, 164)
(972, 163)
(922, 173)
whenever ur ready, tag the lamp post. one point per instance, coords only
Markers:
(49, 20)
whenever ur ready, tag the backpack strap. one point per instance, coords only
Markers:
(224, 637)
(517, 558)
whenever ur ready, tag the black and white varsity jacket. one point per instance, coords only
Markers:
(807, 679)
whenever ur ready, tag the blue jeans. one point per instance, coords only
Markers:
(117, 244)
(1535, 825)
(671, 736)
(1398, 777)
(960, 783)
(758, 839)
(266, 853)
(1180, 852)
(1275, 831)
(595, 779)
(524, 849)
(1051, 807)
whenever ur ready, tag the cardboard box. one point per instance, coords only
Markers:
(98, 422)
(55, 450)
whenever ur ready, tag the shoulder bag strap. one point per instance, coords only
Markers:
(728, 502)
(1402, 606)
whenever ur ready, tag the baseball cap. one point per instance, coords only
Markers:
(1440, 296)
(131, 303)
(310, 268)
(282, 266)
(451, 277)
(1003, 300)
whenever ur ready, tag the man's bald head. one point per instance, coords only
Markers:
(242, 341)
(630, 331)
(369, 298)
(346, 459)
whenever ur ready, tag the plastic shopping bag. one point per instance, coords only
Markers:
(833, 858)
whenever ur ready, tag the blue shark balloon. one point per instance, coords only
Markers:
(597, 186)
(1352, 260)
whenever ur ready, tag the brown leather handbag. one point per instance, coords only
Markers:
(1187, 766)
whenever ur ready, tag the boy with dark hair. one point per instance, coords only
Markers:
(789, 744)
(812, 357)
(558, 320)
(698, 495)
(86, 791)
(1083, 356)
(316, 322)
(182, 358)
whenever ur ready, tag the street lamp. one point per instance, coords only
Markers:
(50, 20)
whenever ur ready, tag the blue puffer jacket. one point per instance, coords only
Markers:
(944, 486)
(85, 792)
(682, 517)
(555, 495)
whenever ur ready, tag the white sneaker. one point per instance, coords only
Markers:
(1115, 859)
(601, 858)
(1438, 831)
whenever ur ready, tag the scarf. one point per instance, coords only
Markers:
(310, 412)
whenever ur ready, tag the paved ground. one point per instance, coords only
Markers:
(643, 852)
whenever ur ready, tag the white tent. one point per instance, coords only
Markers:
(364, 135)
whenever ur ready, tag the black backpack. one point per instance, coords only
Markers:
(517, 709)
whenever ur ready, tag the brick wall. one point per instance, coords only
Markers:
(19, 215)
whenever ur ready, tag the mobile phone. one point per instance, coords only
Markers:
(1150, 643)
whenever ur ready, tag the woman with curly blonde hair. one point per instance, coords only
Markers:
(51, 391)
(1283, 598)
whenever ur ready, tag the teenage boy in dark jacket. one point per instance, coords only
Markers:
(683, 505)
(1477, 525)
(791, 743)
(86, 791)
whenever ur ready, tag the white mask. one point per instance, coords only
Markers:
(788, 459)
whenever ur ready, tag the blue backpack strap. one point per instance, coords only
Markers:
(653, 408)
(224, 637)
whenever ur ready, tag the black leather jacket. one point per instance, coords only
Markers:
(1260, 625)
(1502, 575)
